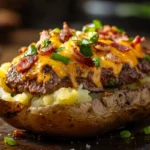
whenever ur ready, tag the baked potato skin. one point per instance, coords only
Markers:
(81, 120)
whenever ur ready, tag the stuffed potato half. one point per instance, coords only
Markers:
(77, 83)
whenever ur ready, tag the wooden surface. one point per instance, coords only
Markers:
(112, 141)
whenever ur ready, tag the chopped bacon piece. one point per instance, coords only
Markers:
(22, 49)
(118, 38)
(47, 50)
(44, 35)
(120, 47)
(81, 58)
(138, 40)
(26, 63)
(102, 46)
(113, 58)
(18, 134)
(65, 33)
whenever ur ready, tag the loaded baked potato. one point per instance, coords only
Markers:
(77, 83)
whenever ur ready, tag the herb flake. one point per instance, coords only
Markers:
(32, 50)
(10, 141)
(147, 130)
(59, 49)
(111, 82)
(97, 23)
(63, 59)
(45, 43)
(96, 61)
(125, 134)
(147, 57)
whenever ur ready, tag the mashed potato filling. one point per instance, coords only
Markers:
(61, 96)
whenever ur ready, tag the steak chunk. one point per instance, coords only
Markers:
(17, 84)
(128, 75)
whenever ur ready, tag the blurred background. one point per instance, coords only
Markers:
(22, 20)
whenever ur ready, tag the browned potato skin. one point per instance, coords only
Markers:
(81, 120)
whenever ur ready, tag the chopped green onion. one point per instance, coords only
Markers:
(10, 141)
(13, 94)
(85, 47)
(131, 39)
(61, 58)
(125, 134)
(56, 30)
(98, 24)
(78, 42)
(85, 41)
(59, 49)
(119, 30)
(96, 61)
(93, 37)
(45, 43)
(111, 82)
(147, 57)
(86, 50)
(89, 29)
(32, 50)
(147, 130)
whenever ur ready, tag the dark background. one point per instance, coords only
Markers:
(22, 20)
(132, 15)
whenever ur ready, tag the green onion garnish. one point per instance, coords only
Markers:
(111, 82)
(147, 57)
(125, 134)
(89, 29)
(85, 41)
(147, 130)
(93, 37)
(61, 58)
(96, 61)
(119, 30)
(97, 23)
(32, 50)
(45, 43)
(56, 30)
(93, 27)
(13, 94)
(10, 141)
(86, 50)
(59, 49)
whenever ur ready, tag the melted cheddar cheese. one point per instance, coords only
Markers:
(63, 70)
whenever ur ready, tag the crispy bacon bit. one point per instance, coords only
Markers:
(47, 50)
(102, 46)
(113, 58)
(81, 58)
(118, 38)
(138, 40)
(26, 63)
(65, 33)
(22, 49)
(44, 35)
(120, 47)
(18, 134)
